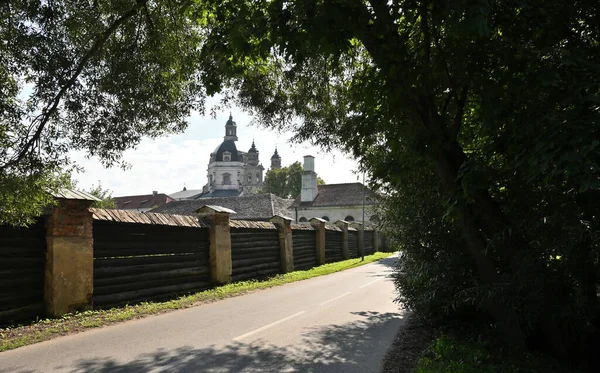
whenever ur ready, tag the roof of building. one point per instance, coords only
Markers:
(74, 194)
(186, 194)
(227, 146)
(275, 155)
(249, 207)
(220, 193)
(145, 201)
(350, 194)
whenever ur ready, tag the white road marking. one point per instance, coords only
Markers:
(332, 299)
(267, 326)
(369, 283)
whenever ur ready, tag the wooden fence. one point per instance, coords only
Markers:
(22, 261)
(369, 245)
(353, 243)
(305, 247)
(144, 256)
(255, 253)
(136, 262)
(333, 244)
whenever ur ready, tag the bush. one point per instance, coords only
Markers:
(452, 355)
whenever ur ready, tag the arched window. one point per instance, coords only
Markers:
(226, 179)
(258, 178)
(303, 220)
(374, 218)
(226, 156)
(349, 218)
(326, 218)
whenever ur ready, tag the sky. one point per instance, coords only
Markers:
(168, 163)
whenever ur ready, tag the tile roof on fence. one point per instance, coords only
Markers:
(251, 224)
(303, 227)
(125, 216)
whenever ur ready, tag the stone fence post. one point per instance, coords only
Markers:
(345, 249)
(69, 276)
(319, 225)
(284, 227)
(361, 237)
(220, 242)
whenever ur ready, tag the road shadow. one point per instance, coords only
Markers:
(358, 346)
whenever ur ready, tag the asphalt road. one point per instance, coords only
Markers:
(343, 322)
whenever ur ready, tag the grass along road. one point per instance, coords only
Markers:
(46, 329)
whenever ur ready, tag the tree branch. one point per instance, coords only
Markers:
(51, 108)
(460, 110)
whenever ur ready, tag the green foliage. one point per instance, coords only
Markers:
(489, 109)
(94, 76)
(286, 182)
(24, 197)
(105, 196)
(451, 355)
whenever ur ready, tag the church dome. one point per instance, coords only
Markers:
(275, 155)
(227, 146)
(253, 148)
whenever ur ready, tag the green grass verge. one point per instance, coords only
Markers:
(46, 329)
(448, 354)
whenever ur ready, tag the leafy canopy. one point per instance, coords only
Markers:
(94, 76)
(286, 182)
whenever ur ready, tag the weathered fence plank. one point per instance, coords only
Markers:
(137, 262)
(353, 243)
(305, 249)
(22, 260)
(255, 253)
(333, 246)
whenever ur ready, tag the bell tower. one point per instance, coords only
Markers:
(230, 129)
(275, 161)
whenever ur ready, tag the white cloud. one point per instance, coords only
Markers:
(167, 163)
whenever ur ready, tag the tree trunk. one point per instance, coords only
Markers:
(506, 320)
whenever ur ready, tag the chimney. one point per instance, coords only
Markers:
(154, 192)
(309, 180)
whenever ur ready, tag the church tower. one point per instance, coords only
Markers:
(275, 161)
(253, 171)
(230, 129)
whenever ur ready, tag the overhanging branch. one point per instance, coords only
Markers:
(52, 106)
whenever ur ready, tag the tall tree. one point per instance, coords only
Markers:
(94, 76)
(105, 196)
(286, 182)
(499, 100)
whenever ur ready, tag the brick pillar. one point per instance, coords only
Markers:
(344, 226)
(69, 281)
(319, 225)
(284, 227)
(361, 237)
(220, 242)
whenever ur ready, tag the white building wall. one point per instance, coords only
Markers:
(217, 169)
(335, 213)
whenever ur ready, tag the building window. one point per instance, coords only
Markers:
(226, 156)
(258, 178)
(326, 218)
(374, 218)
(249, 178)
(303, 220)
(210, 179)
(349, 218)
(226, 179)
